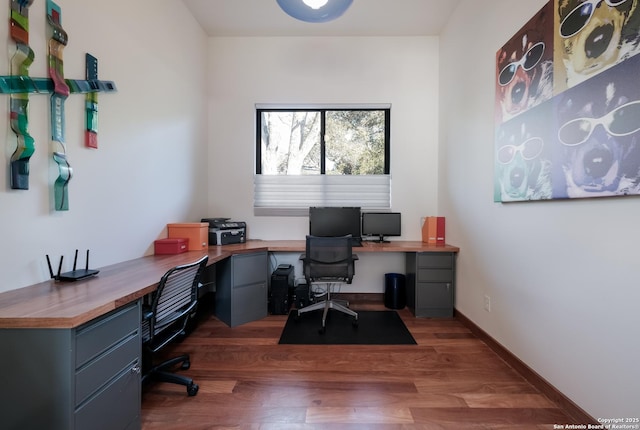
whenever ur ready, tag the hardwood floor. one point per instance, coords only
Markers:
(449, 380)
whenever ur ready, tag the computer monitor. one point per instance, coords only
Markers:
(335, 221)
(381, 224)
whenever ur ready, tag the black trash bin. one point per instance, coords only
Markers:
(395, 294)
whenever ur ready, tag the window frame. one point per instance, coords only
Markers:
(323, 112)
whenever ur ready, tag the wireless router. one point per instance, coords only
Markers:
(73, 275)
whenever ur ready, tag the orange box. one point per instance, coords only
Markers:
(425, 230)
(433, 230)
(196, 232)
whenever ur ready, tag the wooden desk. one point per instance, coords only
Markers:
(53, 304)
(83, 338)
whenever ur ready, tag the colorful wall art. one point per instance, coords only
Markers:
(567, 109)
(19, 85)
(91, 104)
(19, 102)
(60, 93)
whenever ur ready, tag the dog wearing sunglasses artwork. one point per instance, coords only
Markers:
(597, 152)
(596, 34)
(523, 167)
(524, 67)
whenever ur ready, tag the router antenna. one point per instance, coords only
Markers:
(60, 266)
(75, 260)
(50, 269)
(87, 266)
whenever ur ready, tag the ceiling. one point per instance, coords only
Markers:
(363, 18)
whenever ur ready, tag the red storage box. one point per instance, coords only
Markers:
(171, 246)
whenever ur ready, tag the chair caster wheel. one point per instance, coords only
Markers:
(322, 330)
(185, 365)
(355, 323)
(192, 389)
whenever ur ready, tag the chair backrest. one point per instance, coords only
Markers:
(173, 302)
(328, 258)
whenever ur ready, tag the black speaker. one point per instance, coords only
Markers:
(281, 290)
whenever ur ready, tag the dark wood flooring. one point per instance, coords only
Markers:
(449, 380)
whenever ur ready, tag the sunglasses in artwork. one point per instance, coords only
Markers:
(580, 16)
(528, 150)
(528, 61)
(622, 121)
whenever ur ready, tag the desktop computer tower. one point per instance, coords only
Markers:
(281, 290)
(301, 296)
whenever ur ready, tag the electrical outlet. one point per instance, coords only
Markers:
(487, 303)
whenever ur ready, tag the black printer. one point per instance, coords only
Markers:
(224, 232)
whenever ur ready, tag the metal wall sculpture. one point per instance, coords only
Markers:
(19, 102)
(91, 104)
(19, 85)
(60, 93)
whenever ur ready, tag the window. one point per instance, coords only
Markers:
(321, 157)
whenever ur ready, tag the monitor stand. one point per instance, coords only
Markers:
(381, 239)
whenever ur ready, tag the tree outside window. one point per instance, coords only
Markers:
(332, 142)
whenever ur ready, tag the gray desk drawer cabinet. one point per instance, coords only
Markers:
(431, 283)
(74, 379)
(107, 376)
(241, 288)
(99, 414)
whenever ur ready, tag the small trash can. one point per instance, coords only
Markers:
(395, 294)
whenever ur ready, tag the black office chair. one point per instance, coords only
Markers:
(329, 260)
(165, 318)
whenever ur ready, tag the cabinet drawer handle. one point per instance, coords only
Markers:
(136, 370)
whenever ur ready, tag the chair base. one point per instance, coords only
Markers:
(159, 372)
(338, 305)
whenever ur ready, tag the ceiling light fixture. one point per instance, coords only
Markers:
(315, 4)
(315, 10)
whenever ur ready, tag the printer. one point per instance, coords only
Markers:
(224, 232)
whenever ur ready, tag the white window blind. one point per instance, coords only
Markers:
(279, 195)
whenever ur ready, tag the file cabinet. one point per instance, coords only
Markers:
(431, 283)
(242, 288)
(74, 379)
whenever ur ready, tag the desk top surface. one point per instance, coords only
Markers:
(52, 304)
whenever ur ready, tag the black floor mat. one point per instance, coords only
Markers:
(374, 328)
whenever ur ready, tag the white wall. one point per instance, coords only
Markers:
(149, 169)
(562, 275)
(400, 71)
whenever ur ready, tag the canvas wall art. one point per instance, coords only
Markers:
(567, 109)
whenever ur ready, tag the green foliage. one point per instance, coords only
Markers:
(355, 142)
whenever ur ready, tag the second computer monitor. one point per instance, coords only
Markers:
(381, 224)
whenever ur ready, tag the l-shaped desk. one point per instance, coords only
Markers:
(53, 304)
(71, 351)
